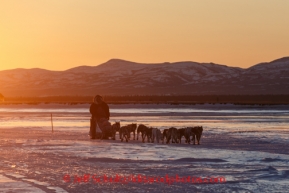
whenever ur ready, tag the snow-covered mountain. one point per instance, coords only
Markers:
(123, 77)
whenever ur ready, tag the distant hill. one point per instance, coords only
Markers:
(120, 77)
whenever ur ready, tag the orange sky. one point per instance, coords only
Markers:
(61, 34)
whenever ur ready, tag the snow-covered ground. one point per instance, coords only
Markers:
(247, 147)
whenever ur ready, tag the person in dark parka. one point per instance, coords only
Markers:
(100, 114)
(99, 109)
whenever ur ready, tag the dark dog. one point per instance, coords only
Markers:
(181, 134)
(115, 128)
(143, 130)
(197, 133)
(156, 135)
(132, 128)
(149, 134)
(124, 133)
(172, 134)
(165, 132)
(188, 133)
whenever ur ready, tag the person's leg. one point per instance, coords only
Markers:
(92, 128)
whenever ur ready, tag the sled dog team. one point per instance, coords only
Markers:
(154, 134)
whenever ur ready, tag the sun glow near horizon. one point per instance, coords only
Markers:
(58, 35)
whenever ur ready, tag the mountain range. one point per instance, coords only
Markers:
(120, 77)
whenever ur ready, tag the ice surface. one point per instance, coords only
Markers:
(247, 146)
(8, 185)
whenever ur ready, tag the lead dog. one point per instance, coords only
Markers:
(197, 133)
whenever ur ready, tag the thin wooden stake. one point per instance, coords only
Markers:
(51, 122)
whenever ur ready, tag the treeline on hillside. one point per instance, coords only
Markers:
(174, 99)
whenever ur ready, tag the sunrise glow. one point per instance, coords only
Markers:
(58, 35)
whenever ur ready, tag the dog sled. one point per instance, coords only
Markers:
(101, 129)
